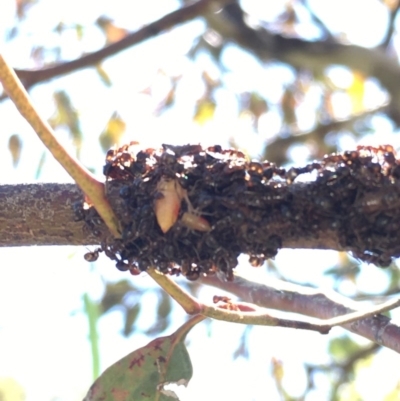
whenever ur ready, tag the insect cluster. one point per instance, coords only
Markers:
(191, 211)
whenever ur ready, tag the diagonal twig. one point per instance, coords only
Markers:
(93, 188)
(391, 26)
(251, 314)
(315, 303)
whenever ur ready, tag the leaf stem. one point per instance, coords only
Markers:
(93, 188)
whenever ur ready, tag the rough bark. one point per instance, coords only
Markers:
(42, 214)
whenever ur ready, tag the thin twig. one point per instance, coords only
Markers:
(320, 24)
(312, 302)
(251, 314)
(391, 26)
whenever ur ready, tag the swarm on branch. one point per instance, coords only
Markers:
(192, 211)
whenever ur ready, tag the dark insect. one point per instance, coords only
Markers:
(219, 205)
(122, 266)
(79, 212)
(92, 256)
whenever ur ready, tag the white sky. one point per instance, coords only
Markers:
(43, 330)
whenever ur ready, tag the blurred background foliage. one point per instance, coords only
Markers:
(288, 82)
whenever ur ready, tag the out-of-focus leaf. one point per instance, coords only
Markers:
(252, 107)
(11, 390)
(257, 105)
(40, 165)
(356, 92)
(60, 27)
(22, 7)
(211, 43)
(66, 115)
(142, 374)
(326, 111)
(288, 105)
(113, 33)
(164, 306)
(38, 54)
(278, 373)
(277, 370)
(103, 75)
(344, 269)
(393, 395)
(131, 315)
(11, 33)
(242, 349)
(288, 19)
(391, 5)
(342, 347)
(170, 98)
(210, 81)
(113, 132)
(348, 392)
(114, 294)
(205, 110)
(79, 31)
(15, 148)
(394, 277)
(163, 313)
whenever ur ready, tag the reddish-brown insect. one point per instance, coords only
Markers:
(195, 222)
(92, 256)
(168, 203)
(221, 298)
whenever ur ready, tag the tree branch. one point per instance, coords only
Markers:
(276, 150)
(311, 302)
(93, 189)
(313, 56)
(41, 214)
(391, 26)
(31, 77)
(246, 313)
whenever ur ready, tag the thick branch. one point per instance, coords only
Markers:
(42, 214)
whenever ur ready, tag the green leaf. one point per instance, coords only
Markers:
(142, 374)
(92, 314)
